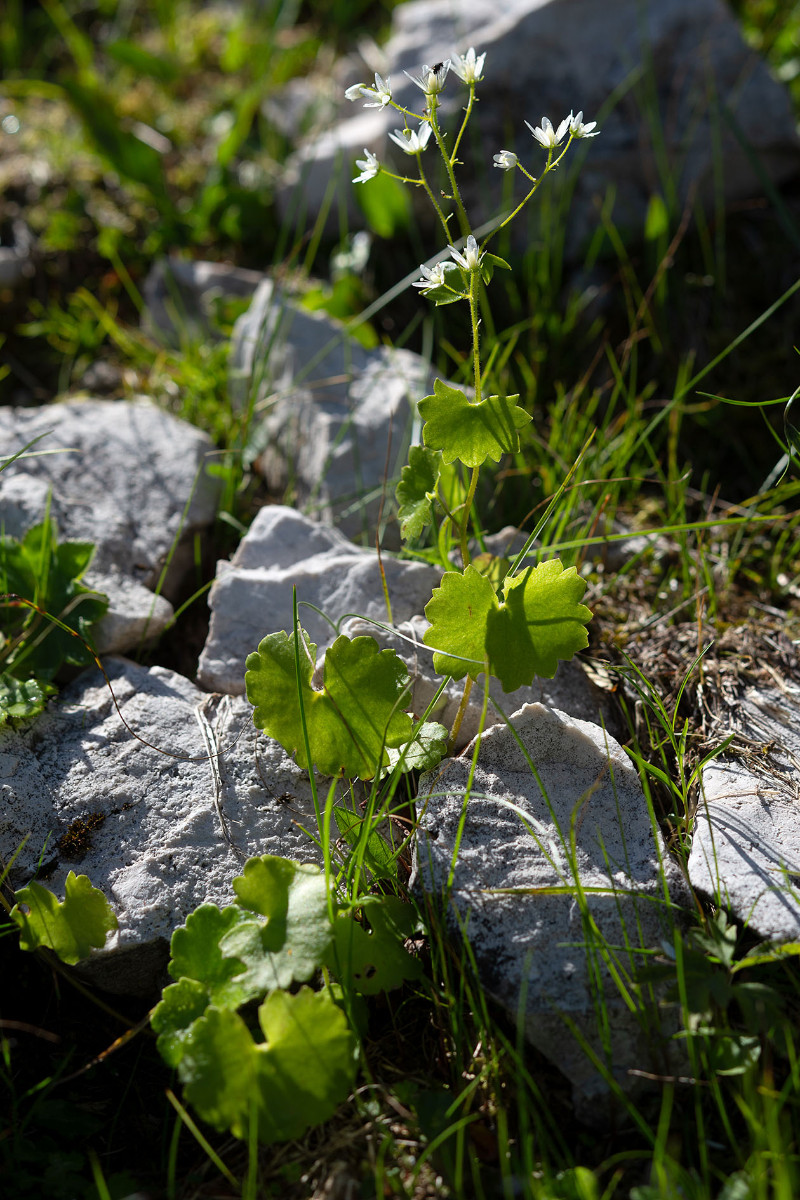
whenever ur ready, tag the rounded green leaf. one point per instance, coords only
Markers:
(219, 1069)
(539, 622)
(351, 722)
(308, 1065)
(296, 1079)
(417, 490)
(372, 959)
(181, 1004)
(467, 431)
(458, 612)
(293, 941)
(71, 929)
(196, 954)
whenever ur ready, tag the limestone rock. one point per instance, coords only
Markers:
(180, 295)
(132, 480)
(170, 832)
(252, 594)
(531, 949)
(337, 417)
(746, 842)
(556, 56)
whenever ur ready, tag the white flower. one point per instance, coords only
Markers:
(546, 135)
(506, 160)
(431, 79)
(433, 277)
(468, 67)
(379, 96)
(369, 167)
(578, 129)
(412, 141)
(470, 260)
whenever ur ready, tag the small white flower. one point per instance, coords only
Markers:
(412, 141)
(369, 167)
(578, 129)
(506, 160)
(433, 277)
(547, 136)
(469, 67)
(379, 96)
(431, 79)
(470, 260)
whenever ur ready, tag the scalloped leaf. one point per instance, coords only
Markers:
(539, 622)
(291, 944)
(416, 491)
(196, 954)
(372, 959)
(294, 1080)
(21, 699)
(351, 722)
(467, 431)
(72, 928)
(181, 1004)
(423, 753)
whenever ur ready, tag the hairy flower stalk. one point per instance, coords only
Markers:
(467, 430)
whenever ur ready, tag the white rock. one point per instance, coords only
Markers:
(175, 830)
(556, 56)
(746, 840)
(252, 594)
(337, 417)
(132, 480)
(569, 690)
(530, 948)
(180, 296)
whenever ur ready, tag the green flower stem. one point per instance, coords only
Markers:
(474, 286)
(424, 181)
(550, 166)
(467, 115)
(459, 717)
(400, 178)
(407, 112)
(463, 222)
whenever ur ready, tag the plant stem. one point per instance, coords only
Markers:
(467, 115)
(463, 222)
(462, 708)
(550, 166)
(424, 181)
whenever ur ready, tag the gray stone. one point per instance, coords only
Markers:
(128, 477)
(252, 594)
(176, 825)
(569, 690)
(556, 56)
(17, 261)
(746, 841)
(180, 296)
(336, 418)
(534, 950)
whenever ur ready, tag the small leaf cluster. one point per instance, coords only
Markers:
(729, 1016)
(299, 1064)
(50, 627)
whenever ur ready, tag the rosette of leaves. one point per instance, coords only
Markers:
(298, 1064)
(33, 646)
